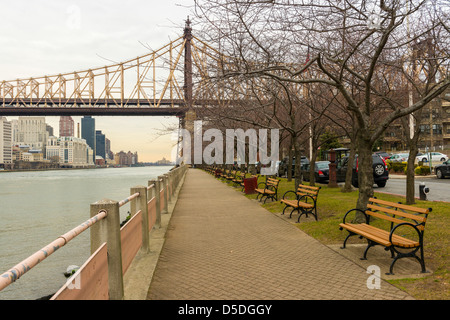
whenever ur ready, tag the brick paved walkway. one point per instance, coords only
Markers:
(221, 245)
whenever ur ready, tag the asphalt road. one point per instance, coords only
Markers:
(439, 188)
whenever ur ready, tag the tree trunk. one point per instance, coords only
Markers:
(298, 158)
(349, 173)
(289, 165)
(312, 166)
(365, 174)
(410, 175)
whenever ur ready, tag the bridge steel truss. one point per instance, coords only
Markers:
(146, 85)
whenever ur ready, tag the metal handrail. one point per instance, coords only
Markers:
(26, 265)
(124, 201)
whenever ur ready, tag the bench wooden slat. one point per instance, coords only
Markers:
(297, 204)
(401, 206)
(265, 191)
(397, 213)
(308, 187)
(380, 236)
(355, 229)
(391, 219)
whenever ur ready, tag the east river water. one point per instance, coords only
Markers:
(36, 207)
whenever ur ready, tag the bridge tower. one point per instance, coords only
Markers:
(186, 121)
(190, 116)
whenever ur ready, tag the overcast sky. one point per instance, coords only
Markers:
(46, 37)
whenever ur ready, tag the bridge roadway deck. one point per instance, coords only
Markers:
(221, 245)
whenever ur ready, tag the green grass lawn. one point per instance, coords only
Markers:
(332, 206)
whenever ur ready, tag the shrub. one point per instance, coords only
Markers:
(422, 170)
(399, 166)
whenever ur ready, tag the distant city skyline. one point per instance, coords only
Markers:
(135, 133)
(55, 37)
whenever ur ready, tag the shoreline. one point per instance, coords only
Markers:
(79, 168)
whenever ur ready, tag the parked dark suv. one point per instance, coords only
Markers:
(443, 170)
(380, 171)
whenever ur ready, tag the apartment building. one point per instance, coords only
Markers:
(69, 151)
(5, 143)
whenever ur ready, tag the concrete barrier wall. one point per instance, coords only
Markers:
(102, 275)
(90, 282)
(131, 239)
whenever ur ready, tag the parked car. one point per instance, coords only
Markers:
(443, 170)
(321, 171)
(400, 157)
(383, 154)
(282, 171)
(380, 171)
(435, 156)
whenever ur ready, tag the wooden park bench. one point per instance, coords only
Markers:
(231, 175)
(304, 202)
(239, 178)
(403, 235)
(270, 189)
(224, 174)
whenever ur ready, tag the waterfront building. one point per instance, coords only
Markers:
(90, 156)
(88, 133)
(5, 143)
(71, 151)
(52, 149)
(33, 156)
(126, 158)
(99, 161)
(100, 144)
(66, 126)
(31, 131)
(163, 161)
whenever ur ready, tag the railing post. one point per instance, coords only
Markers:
(140, 203)
(108, 230)
(156, 193)
(164, 185)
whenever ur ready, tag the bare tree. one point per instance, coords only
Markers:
(353, 45)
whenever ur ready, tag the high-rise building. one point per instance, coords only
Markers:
(100, 144)
(5, 143)
(66, 126)
(31, 131)
(109, 153)
(88, 133)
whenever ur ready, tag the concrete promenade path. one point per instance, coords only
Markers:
(221, 245)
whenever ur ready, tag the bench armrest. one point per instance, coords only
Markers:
(419, 233)
(305, 198)
(367, 216)
(263, 183)
(296, 196)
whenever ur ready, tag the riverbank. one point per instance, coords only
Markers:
(78, 168)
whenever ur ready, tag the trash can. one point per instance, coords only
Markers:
(250, 185)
